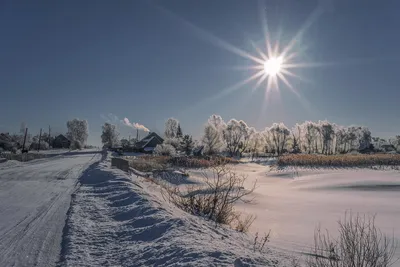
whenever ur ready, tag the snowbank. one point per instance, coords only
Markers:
(118, 220)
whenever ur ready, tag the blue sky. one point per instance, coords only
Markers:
(150, 60)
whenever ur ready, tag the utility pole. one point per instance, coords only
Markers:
(23, 145)
(40, 137)
(137, 135)
(49, 136)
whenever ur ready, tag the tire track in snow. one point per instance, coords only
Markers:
(34, 199)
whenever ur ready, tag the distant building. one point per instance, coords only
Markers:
(61, 142)
(148, 143)
(388, 147)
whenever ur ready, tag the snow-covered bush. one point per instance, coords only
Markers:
(165, 150)
(174, 142)
(75, 144)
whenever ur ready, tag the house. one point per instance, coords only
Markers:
(388, 147)
(198, 151)
(148, 143)
(61, 142)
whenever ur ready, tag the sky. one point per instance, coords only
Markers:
(151, 60)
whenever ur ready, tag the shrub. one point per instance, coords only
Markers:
(43, 146)
(243, 224)
(359, 244)
(216, 199)
(165, 150)
(259, 243)
(75, 144)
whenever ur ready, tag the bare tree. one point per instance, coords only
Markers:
(223, 188)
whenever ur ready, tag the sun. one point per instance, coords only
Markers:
(273, 66)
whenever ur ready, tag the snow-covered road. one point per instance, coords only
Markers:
(34, 200)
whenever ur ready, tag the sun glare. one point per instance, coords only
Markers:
(273, 66)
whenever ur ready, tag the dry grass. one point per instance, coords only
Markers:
(151, 163)
(340, 160)
(22, 157)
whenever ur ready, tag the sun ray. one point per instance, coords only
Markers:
(259, 82)
(209, 37)
(241, 68)
(264, 23)
(236, 86)
(264, 57)
(274, 61)
(310, 20)
(285, 81)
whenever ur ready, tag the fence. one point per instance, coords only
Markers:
(121, 164)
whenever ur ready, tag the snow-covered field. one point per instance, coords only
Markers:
(293, 202)
(34, 199)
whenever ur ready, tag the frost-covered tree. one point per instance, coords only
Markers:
(164, 150)
(217, 122)
(326, 129)
(175, 142)
(296, 138)
(171, 128)
(237, 136)
(110, 135)
(351, 138)
(124, 143)
(256, 144)
(179, 133)
(78, 132)
(341, 136)
(213, 134)
(211, 139)
(187, 144)
(396, 143)
(309, 133)
(280, 135)
(364, 138)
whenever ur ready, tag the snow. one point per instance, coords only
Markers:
(75, 210)
(121, 220)
(293, 202)
(34, 199)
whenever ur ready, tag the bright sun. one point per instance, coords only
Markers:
(273, 66)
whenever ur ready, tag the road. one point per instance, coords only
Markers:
(34, 200)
